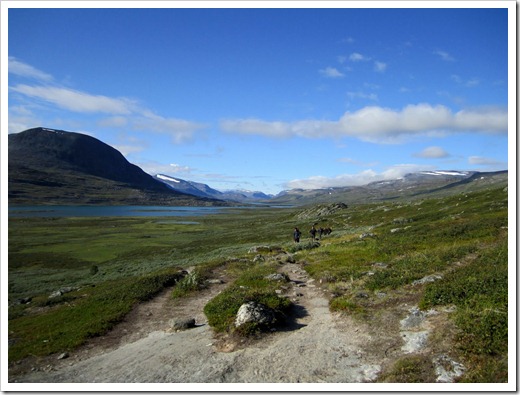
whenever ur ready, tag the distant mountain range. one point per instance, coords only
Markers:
(48, 166)
(411, 186)
(203, 190)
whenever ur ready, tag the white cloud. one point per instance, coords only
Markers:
(380, 125)
(76, 101)
(128, 149)
(379, 67)
(348, 40)
(357, 57)
(115, 121)
(178, 129)
(21, 69)
(444, 56)
(356, 162)
(153, 168)
(468, 84)
(331, 72)
(122, 111)
(480, 160)
(432, 153)
(473, 82)
(362, 95)
(21, 118)
(362, 178)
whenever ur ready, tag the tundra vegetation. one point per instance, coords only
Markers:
(376, 255)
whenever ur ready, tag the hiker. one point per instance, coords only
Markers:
(313, 233)
(296, 235)
(320, 232)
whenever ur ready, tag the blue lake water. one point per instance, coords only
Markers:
(113, 211)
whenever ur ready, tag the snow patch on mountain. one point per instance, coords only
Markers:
(446, 173)
(166, 178)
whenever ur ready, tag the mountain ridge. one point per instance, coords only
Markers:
(51, 166)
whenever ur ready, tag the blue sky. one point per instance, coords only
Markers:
(270, 99)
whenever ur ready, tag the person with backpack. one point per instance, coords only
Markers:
(296, 235)
(313, 233)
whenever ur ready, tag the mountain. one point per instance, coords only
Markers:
(48, 166)
(193, 188)
(203, 190)
(411, 186)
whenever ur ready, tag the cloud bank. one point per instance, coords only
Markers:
(432, 153)
(118, 112)
(380, 125)
(362, 178)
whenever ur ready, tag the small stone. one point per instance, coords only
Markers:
(63, 355)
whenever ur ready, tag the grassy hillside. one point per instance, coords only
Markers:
(371, 261)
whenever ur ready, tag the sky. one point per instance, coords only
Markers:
(270, 99)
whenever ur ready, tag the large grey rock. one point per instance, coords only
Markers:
(255, 313)
(447, 369)
(61, 291)
(181, 324)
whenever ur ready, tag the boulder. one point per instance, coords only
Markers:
(259, 249)
(428, 279)
(366, 235)
(277, 277)
(254, 313)
(61, 291)
(181, 324)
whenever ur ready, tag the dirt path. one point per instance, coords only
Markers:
(317, 347)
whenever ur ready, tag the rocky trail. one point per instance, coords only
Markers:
(317, 346)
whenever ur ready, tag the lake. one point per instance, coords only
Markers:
(113, 211)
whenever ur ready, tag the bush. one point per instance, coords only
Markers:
(251, 286)
(304, 246)
(345, 304)
(193, 281)
(222, 309)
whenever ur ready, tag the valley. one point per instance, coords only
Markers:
(444, 258)
(410, 286)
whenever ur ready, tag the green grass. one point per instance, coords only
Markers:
(82, 314)
(250, 286)
(118, 262)
(480, 292)
(412, 369)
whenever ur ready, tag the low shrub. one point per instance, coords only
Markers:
(251, 286)
(346, 305)
(193, 281)
(304, 246)
(412, 369)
